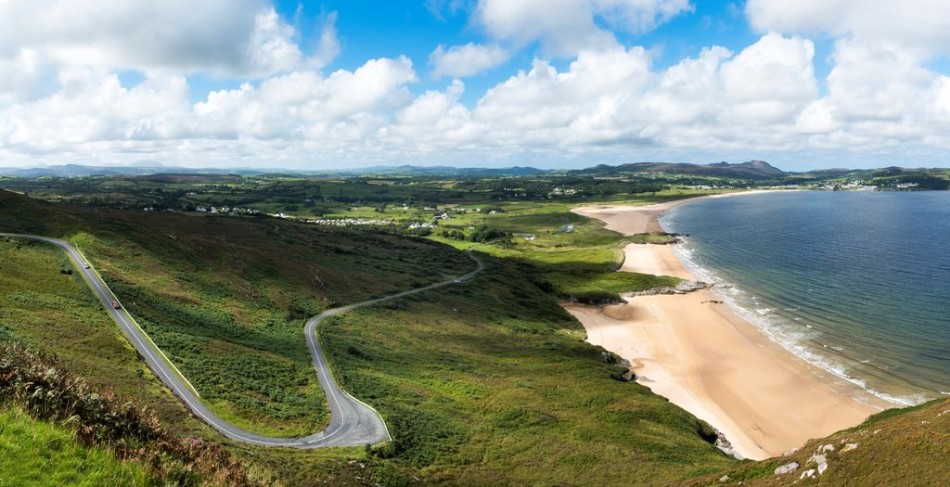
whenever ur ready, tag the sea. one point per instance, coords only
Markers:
(857, 283)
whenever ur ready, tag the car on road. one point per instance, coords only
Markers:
(85, 266)
(116, 305)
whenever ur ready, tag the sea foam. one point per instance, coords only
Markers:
(791, 334)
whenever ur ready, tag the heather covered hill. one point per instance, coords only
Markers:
(752, 170)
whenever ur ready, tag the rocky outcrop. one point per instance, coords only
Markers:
(787, 468)
(625, 368)
(684, 287)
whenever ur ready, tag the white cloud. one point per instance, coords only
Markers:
(329, 46)
(674, 100)
(439, 8)
(610, 104)
(306, 105)
(882, 95)
(565, 27)
(92, 109)
(436, 122)
(639, 16)
(61, 96)
(547, 107)
(467, 60)
(22, 76)
(772, 80)
(917, 24)
(228, 37)
(271, 48)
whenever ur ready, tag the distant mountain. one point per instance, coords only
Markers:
(441, 171)
(144, 169)
(80, 171)
(745, 170)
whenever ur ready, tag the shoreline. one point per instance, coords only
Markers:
(694, 350)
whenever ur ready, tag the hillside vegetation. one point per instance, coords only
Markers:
(40, 453)
(36, 397)
(900, 447)
(491, 383)
(484, 382)
(48, 310)
(462, 370)
(226, 298)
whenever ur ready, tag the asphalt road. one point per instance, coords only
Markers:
(352, 422)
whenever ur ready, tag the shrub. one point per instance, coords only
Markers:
(36, 384)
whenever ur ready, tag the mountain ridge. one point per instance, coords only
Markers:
(754, 169)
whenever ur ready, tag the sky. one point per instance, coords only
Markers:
(803, 84)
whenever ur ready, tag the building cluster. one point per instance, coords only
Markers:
(227, 210)
(348, 222)
(562, 192)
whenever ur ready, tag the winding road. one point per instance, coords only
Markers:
(352, 422)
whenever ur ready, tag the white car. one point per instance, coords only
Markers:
(85, 266)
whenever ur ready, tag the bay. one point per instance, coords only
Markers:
(855, 282)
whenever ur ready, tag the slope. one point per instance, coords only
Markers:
(905, 447)
(489, 380)
(226, 298)
(40, 453)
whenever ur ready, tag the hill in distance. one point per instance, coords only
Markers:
(78, 171)
(745, 170)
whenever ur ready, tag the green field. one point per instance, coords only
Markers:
(491, 382)
(486, 382)
(896, 447)
(455, 373)
(51, 311)
(38, 453)
(573, 256)
(227, 299)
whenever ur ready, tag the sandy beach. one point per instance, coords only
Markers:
(696, 352)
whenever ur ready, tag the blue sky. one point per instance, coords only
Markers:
(550, 83)
(369, 29)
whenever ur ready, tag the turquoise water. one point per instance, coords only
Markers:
(855, 282)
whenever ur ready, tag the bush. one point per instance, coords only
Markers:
(48, 393)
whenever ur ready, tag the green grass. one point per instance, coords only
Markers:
(50, 311)
(490, 383)
(40, 453)
(579, 264)
(226, 299)
(896, 447)
(655, 238)
(489, 380)
(49, 391)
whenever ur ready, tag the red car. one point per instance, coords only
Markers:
(115, 305)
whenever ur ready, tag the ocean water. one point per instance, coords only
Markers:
(857, 283)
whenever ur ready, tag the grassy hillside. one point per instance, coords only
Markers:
(51, 311)
(226, 298)
(573, 256)
(56, 418)
(487, 382)
(471, 380)
(491, 383)
(39, 453)
(907, 447)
